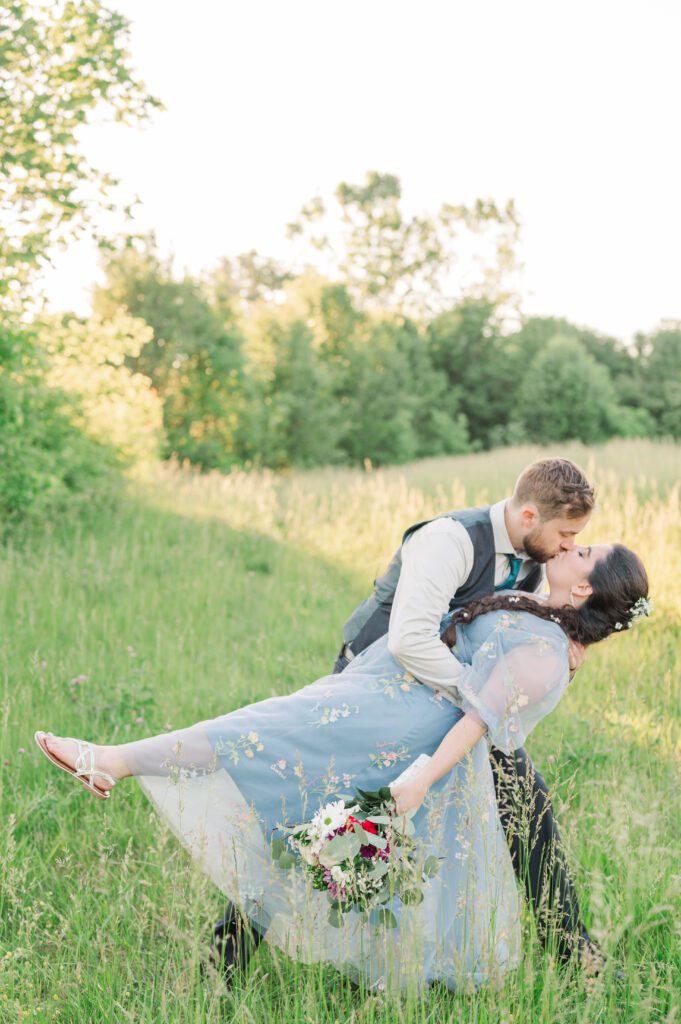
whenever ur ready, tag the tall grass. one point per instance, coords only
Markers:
(196, 595)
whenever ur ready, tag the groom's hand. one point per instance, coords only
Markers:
(576, 656)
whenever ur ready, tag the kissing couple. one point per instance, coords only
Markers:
(456, 655)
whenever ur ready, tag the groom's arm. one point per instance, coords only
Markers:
(436, 560)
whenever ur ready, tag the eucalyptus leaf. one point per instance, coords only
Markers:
(385, 917)
(411, 897)
(336, 851)
(286, 861)
(335, 918)
(432, 866)
(277, 847)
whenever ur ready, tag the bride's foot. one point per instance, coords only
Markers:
(99, 767)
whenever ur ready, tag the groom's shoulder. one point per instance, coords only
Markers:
(472, 516)
(462, 523)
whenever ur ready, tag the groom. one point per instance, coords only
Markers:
(445, 563)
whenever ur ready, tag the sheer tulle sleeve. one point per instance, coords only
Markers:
(516, 677)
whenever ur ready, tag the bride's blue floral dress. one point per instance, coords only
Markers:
(278, 760)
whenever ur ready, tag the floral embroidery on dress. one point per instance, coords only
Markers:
(279, 767)
(390, 684)
(331, 715)
(489, 649)
(332, 782)
(388, 758)
(505, 621)
(247, 744)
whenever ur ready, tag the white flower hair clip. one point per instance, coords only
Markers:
(641, 609)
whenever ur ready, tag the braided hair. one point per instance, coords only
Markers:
(619, 583)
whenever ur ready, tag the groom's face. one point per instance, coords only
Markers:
(546, 539)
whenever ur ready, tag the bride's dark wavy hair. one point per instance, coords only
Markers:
(619, 580)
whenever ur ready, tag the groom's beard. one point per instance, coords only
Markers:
(533, 546)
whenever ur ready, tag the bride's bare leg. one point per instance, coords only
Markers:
(158, 755)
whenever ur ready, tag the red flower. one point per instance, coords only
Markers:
(369, 826)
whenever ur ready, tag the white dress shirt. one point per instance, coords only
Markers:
(437, 559)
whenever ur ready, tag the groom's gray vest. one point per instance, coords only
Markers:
(370, 619)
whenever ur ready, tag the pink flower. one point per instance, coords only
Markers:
(281, 763)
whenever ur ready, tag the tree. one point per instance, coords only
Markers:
(193, 357)
(61, 67)
(406, 264)
(46, 462)
(300, 423)
(610, 352)
(465, 343)
(659, 380)
(87, 359)
(567, 395)
(399, 408)
(247, 279)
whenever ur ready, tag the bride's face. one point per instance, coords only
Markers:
(569, 570)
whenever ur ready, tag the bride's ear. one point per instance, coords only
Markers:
(582, 590)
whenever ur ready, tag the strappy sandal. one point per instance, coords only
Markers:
(84, 768)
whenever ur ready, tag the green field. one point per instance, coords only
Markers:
(196, 595)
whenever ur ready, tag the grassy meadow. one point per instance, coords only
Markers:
(195, 595)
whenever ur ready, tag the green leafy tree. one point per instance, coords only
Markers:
(245, 280)
(116, 405)
(298, 422)
(62, 66)
(404, 263)
(47, 463)
(566, 394)
(657, 385)
(618, 359)
(399, 407)
(482, 374)
(193, 357)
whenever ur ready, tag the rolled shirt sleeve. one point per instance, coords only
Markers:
(437, 559)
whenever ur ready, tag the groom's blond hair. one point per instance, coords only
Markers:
(558, 487)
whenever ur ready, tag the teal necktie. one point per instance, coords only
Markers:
(514, 566)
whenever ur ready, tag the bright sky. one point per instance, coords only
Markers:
(571, 108)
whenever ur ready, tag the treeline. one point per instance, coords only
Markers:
(403, 348)
(304, 375)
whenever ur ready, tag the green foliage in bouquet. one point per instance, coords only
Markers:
(365, 858)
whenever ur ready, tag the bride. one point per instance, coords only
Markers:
(227, 784)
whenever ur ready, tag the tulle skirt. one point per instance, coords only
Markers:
(225, 785)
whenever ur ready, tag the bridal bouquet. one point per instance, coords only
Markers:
(360, 853)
